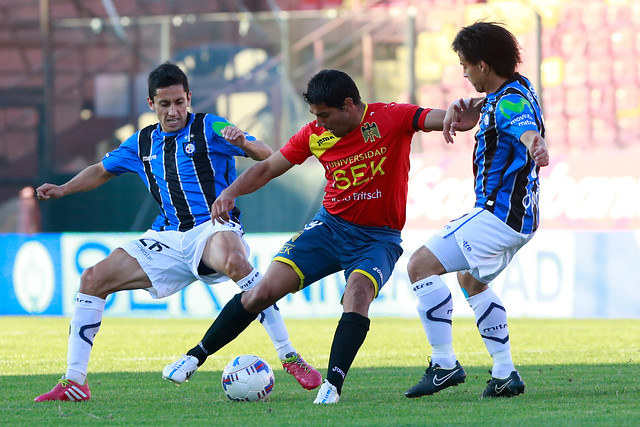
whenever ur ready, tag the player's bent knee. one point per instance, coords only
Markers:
(423, 264)
(416, 269)
(237, 266)
(260, 297)
(91, 283)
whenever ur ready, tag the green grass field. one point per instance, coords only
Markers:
(577, 372)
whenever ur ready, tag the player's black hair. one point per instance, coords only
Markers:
(489, 42)
(331, 87)
(165, 75)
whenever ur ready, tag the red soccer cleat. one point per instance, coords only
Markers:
(305, 374)
(66, 390)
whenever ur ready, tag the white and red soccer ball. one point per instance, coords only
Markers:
(247, 378)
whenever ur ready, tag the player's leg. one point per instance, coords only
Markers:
(119, 271)
(225, 252)
(244, 308)
(349, 336)
(435, 309)
(292, 362)
(491, 320)
(491, 246)
(369, 265)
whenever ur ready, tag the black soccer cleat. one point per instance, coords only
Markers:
(435, 379)
(511, 386)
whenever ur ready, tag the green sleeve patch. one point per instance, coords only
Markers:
(218, 126)
(508, 108)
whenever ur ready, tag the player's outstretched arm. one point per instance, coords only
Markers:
(257, 176)
(434, 120)
(537, 147)
(91, 177)
(257, 150)
(462, 115)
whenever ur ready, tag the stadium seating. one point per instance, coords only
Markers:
(590, 52)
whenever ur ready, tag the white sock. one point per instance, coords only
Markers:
(435, 308)
(491, 319)
(270, 318)
(84, 325)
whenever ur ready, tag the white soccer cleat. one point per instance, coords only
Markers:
(180, 370)
(327, 394)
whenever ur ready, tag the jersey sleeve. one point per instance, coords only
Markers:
(411, 116)
(515, 115)
(297, 149)
(124, 158)
(214, 125)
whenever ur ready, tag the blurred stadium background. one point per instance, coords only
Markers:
(73, 85)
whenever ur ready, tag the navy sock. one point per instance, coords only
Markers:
(232, 320)
(350, 334)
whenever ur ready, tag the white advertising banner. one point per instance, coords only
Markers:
(557, 274)
(535, 284)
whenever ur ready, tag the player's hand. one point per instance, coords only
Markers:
(539, 152)
(221, 207)
(233, 135)
(49, 191)
(461, 115)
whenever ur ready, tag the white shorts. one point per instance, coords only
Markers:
(170, 258)
(478, 243)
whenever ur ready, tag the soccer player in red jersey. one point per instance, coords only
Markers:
(364, 149)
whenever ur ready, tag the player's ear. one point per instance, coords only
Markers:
(150, 101)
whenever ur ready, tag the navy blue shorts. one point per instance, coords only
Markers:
(329, 244)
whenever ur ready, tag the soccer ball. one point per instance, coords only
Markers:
(247, 378)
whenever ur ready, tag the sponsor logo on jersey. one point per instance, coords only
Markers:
(322, 140)
(321, 143)
(358, 157)
(370, 132)
(358, 196)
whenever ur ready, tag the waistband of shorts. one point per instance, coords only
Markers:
(388, 234)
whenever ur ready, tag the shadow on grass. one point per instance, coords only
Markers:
(555, 395)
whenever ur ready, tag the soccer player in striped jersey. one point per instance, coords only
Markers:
(364, 149)
(186, 160)
(508, 154)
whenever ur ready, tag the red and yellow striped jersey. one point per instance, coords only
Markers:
(367, 170)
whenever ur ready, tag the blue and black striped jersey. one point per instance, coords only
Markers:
(184, 171)
(506, 177)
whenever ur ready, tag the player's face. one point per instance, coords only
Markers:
(338, 121)
(170, 105)
(473, 73)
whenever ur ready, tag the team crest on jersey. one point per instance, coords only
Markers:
(370, 132)
(189, 148)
